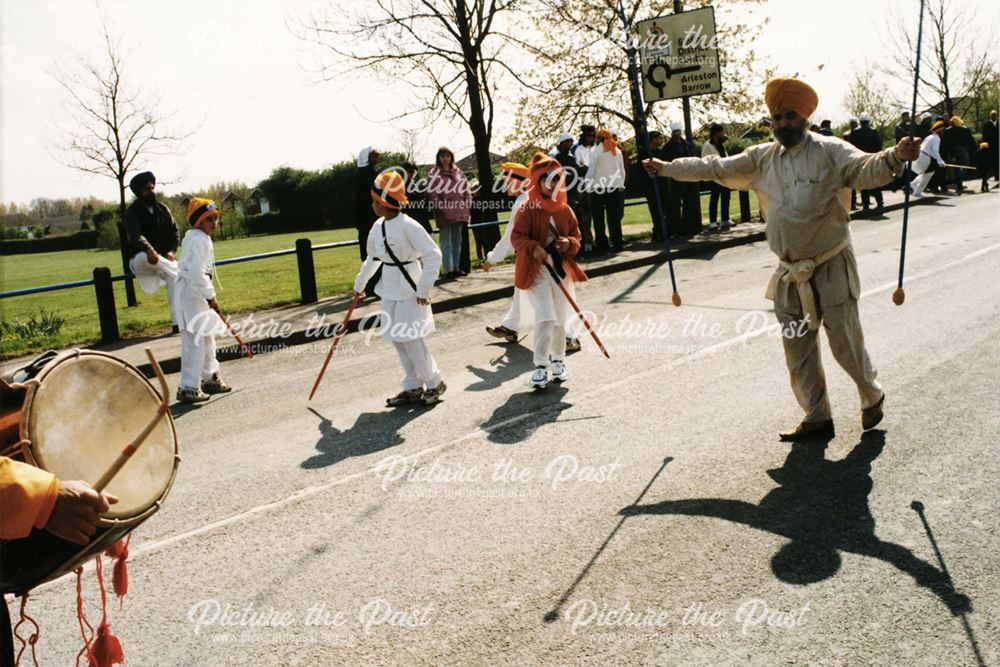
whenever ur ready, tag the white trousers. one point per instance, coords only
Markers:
(151, 276)
(847, 342)
(512, 320)
(418, 364)
(552, 310)
(198, 360)
(920, 182)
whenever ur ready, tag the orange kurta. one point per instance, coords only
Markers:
(27, 496)
(531, 229)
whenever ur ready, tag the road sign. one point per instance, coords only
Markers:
(679, 55)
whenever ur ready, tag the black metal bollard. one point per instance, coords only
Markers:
(307, 270)
(744, 206)
(106, 305)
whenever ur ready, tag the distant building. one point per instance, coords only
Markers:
(257, 202)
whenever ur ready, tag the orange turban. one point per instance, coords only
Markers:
(390, 190)
(514, 170)
(957, 121)
(791, 94)
(549, 169)
(610, 145)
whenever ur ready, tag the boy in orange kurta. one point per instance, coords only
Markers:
(547, 231)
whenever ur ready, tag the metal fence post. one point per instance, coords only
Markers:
(744, 206)
(106, 305)
(307, 271)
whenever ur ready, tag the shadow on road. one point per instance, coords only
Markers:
(821, 506)
(509, 365)
(524, 413)
(371, 432)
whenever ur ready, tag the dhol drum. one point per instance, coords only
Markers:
(74, 420)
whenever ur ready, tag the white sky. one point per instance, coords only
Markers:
(236, 65)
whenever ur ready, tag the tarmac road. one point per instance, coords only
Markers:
(644, 513)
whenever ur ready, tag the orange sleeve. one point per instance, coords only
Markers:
(27, 496)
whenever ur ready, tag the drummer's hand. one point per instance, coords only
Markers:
(76, 512)
(562, 244)
(423, 302)
(152, 257)
(540, 253)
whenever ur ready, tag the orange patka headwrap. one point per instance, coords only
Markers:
(199, 209)
(783, 93)
(390, 190)
(545, 167)
(607, 140)
(514, 171)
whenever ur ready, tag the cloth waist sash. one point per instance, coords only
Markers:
(799, 273)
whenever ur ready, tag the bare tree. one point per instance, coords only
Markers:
(448, 51)
(111, 123)
(955, 53)
(582, 66)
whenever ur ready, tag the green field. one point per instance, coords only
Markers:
(243, 287)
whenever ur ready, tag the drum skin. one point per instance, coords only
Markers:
(86, 408)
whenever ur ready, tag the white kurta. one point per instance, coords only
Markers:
(194, 286)
(403, 318)
(930, 149)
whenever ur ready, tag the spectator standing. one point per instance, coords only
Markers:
(825, 129)
(716, 145)
(364, 217)
(990, 137)
(961, 148)
(605, 178)
(656, 150)
(450, 199)
(583, 209)
(688, 203)
(985, 162)
(903, 127)
(852, 123)
(152, 237)
(924, 128)
(867, 139)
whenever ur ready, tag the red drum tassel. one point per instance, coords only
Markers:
(119, 581)
(33, 639)
(106, 650)
(82, 619)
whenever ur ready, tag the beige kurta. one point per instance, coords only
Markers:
(805, 194)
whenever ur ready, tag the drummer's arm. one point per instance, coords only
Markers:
(33, 498)
(27, 498)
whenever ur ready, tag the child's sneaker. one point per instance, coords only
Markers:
(509, 335)
(191, 395)
(540, 378)
(215, 385)
(406, 397)
(713, 227)
(433, 395)
(559, 371)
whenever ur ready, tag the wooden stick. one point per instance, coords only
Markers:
(333, 347)
(555, 277)
(131, 448)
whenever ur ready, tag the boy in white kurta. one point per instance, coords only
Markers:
(196, 307)
(410, 261)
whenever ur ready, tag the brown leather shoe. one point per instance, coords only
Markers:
(809, 431)
(870, 417)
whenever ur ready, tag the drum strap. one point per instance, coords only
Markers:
(395, 260)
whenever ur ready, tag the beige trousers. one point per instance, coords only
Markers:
(805, 367)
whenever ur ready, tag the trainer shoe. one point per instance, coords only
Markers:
(432, 395)
(406, 397)
(727, 224)
(215, 385)
(540, 378)
(713, 227)
(572, 344)
(191, 395)
(559, 372)
(509, 335)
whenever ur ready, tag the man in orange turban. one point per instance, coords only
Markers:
(803, 182)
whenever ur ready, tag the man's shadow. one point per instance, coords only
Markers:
(507, 366)
(524, 413)
(371, 432)
(821, 506)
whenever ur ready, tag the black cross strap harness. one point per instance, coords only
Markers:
(395, 260)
